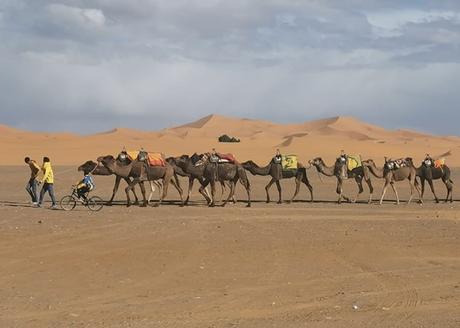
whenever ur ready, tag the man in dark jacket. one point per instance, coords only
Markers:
(31, 186)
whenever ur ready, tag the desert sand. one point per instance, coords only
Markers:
(291, 265)
(259, 139)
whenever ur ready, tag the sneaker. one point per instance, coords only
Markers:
(34, 204)
(53, 207)
(38, 205)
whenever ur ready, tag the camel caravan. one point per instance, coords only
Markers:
(213, 168)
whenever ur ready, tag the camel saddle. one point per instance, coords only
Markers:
(289, 162)
(152, 159)
(394, 164)
(227, 158)
(439, 163)
(353, 162)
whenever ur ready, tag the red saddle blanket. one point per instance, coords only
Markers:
(229, 157)
(156, 159)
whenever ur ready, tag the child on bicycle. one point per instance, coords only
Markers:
(85, 186)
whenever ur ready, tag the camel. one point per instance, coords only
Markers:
(97, 169)
(395, 175)
(358, 174)
(187, 165)
(275, 170)
(429, 173)
(231, 172)
(139, 171)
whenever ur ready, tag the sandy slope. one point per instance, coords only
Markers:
(259, 139)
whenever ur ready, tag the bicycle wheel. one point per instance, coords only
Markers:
(95, 203)
(68, 203)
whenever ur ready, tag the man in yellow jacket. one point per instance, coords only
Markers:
(48, 183)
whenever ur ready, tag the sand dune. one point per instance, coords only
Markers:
(259, 139)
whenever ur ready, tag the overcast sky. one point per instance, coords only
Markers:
(91, 65)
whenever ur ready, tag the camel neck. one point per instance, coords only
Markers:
(326, 170)
(377, 172)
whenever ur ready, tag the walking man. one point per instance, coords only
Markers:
(31, 186)
(48, 183)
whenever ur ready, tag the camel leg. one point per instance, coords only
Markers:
(247, 186)
(371, 190)
(190, 186)
(179, 189)
(396, 192)
(130, 186)
(297, 188)
(206, 190)
(160, 188)
(339, 191)
(422, 182)
(166, 180)
(385, 187)
(202, 189)
(278, 185)
(417, 187)
(222, 190)
(152, 190)
(267, 189)
(414, 185)
(448, 184)
(115, 189)
(213, 193)
(144, 203)
(309, 186)
(411, 192)
(430, 183)
(359, 181)
(233, 197)
(230, 194)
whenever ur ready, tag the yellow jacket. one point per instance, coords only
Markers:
(48, 176)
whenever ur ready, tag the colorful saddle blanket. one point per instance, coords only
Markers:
(353, 162)
(153, 159)
(397, 163)
(439, 163)
(289, 162)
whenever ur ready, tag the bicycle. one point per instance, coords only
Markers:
(68, 203)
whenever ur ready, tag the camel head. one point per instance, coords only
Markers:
(195, 158)
(87, 167)
(106, 160)
(182, 160)
(317, 162)
(368, 162)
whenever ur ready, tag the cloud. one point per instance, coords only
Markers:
(82, 17)
(152, 63)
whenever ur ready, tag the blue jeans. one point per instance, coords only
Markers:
(47, 187)
(31, 188)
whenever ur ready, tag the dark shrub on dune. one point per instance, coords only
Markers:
(226, 138)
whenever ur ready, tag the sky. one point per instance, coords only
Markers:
(92, 65)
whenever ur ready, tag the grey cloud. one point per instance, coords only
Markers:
(101, 63)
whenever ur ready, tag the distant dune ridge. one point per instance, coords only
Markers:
(259, 140)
